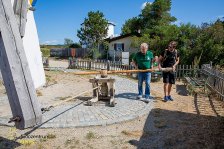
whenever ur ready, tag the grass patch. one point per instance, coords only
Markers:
(90, 135)
(39, 93)
(50, 80)
(68, 142)
(26, 142)
(43, 139)
(51, 136)
(73, 142)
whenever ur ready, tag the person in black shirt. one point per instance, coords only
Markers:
(169, 58)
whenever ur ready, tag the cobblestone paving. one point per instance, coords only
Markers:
(77, 114)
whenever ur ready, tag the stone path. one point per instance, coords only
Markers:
(77, 114)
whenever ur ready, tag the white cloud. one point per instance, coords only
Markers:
(144, 4)
(49, 42)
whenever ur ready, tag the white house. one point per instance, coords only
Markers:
(120, 44)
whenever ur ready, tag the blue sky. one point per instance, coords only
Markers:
(59, 19)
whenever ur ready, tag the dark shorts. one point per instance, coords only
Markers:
(169, 77)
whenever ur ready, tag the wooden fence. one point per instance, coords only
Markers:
(215, 77)
(215, 80)
(98, 65)
(103, 64)
(183, 70)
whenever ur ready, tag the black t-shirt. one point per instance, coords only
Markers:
(169, 58)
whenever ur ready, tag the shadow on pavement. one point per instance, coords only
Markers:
(8, 144)
(127, 96)
(181, 90)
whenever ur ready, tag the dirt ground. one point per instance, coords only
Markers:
(62, 63)
(186, 122)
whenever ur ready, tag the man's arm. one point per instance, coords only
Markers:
(160, 61)
(134, 64)
(152, 61)
(177, 62)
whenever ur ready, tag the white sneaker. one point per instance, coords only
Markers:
(139, 97)
(149, 98)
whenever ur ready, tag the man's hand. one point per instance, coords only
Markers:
(159, 67)
(133, 63)
(174, 68)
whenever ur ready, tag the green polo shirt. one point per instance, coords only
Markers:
(143, 60)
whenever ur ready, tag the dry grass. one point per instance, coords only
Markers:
(64, 98)
(39, 93)
(132, 133)
(50, 80)
(27, 142)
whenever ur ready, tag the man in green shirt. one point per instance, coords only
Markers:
(143, 60)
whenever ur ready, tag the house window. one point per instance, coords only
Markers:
(119, 46)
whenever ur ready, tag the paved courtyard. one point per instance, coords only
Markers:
(77, 114)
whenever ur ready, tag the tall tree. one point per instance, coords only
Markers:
(211, 40)
(160, 13)
(93, 30)
(75, 45)
(68, 42)
(131, 25)
(152, 15)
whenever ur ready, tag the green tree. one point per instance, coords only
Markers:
(211, 40)
(187, 43)
(68, 42)
(200, 44)
(155, 24)
(159, 13)
(131, 25)
(75, 45)
(93, 30)
(154, 14)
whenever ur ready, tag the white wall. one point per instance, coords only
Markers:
(127, 43)
(127, 46)
(32, 51)
(110, 31)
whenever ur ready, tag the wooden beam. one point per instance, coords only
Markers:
(20, 10)
(15, 71)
